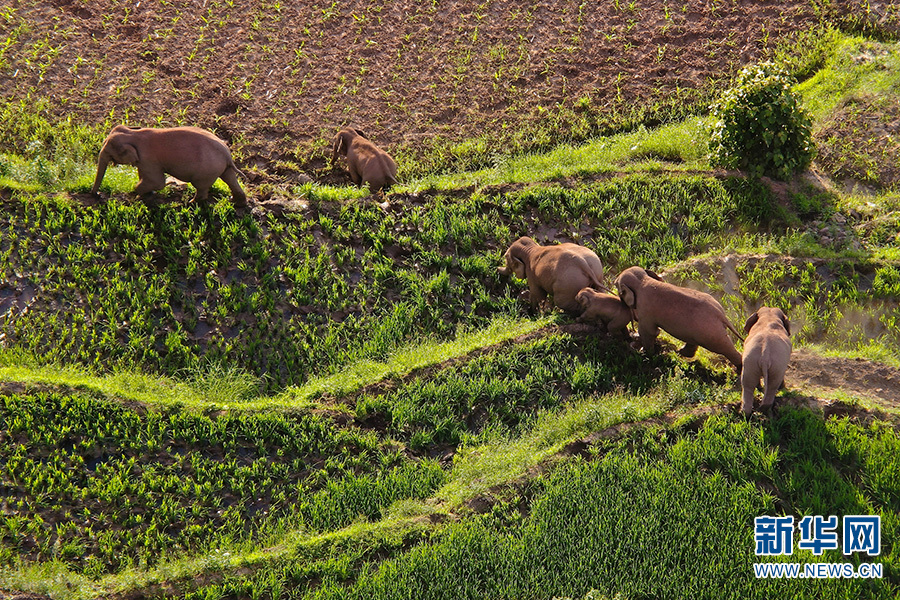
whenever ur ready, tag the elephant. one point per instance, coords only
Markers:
(368, 164)
(767, 352)
(607, 309)
(187, 153)
(694, 317)
(561, 270)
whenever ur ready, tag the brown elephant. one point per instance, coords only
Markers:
(607, 309)
(696, 318)
(187, 153)
(368, 164)
(767, 352)
(560, 270)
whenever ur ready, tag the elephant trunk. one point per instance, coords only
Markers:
(336, 149)
(102, 163)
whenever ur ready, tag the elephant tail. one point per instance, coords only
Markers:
(733, 330)
(596, 282)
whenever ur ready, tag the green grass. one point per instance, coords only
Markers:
(857, 66)
(217, 387)
(478, 469)
(681, 146)
(236, 482)
(648, 500)
(848, 305)
(404, 361)
(854, 101)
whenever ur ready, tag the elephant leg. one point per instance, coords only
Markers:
(618, 325)
(688, 350)
(749, 379)
(775, 383)
(647, 334)
(734, 357)
(536, 295)
(726, 348)
(355, 177)
(150, 180)
(202, 186)
(237, 193)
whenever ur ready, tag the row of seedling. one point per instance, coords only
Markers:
(145, 485)
(168, 287)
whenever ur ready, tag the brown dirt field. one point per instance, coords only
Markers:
(277, 79)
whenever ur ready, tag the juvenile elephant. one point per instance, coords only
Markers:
(561, 270)
(607, 309)
(367, 162)
(696, 318)
(767, 352)
(187, 153)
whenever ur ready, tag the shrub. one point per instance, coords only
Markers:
(759, 125)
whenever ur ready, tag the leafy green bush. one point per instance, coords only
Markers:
(759, 125)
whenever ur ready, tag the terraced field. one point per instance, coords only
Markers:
(333, 395)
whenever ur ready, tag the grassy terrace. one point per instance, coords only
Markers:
(347, 401)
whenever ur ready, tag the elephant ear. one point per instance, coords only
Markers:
(653, 274)
(751, 321)
(360, 132)
(786, 322)
(517, 266)
(122, 152)
(627, 296)
(582, 298)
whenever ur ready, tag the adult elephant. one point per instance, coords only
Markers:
(560, 270)
(694, 317)
(187, 153)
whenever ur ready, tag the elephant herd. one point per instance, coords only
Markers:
(197, 156)
(573, 276)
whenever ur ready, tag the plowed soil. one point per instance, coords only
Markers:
(277, 78)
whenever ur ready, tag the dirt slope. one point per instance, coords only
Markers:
(856, 377)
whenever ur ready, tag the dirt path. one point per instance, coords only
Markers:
(855, 376)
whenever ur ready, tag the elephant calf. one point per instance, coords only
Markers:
(767, 352)
(560, 270)
(696, 318)
(607, 309)
(187, 153)
(367, 162)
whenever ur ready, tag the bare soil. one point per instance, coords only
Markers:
(855, 376)
(277, 79)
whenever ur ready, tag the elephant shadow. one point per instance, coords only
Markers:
(816, 472)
